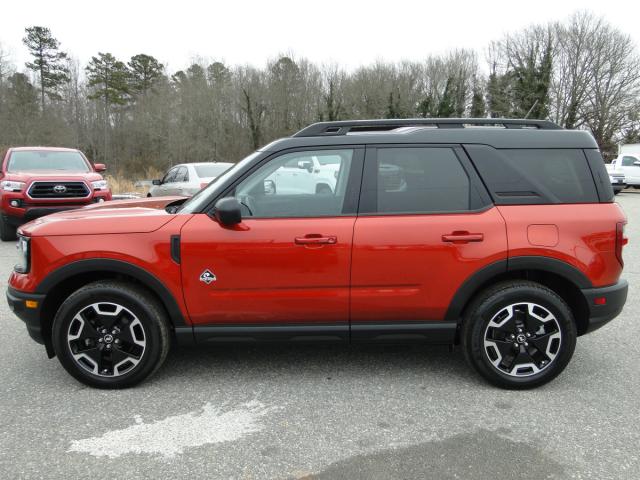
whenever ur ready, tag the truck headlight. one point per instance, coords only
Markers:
(10, 186)
(100, 185)
(24, 252)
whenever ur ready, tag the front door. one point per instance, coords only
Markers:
(287, 263)
(631, 169)
(423, 229)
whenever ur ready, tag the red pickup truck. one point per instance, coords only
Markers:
(37, 181)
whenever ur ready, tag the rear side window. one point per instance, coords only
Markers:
(416, 180)
(535, 176)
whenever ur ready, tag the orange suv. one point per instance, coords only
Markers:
(498, 235)
(37, 181)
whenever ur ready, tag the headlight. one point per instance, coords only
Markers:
(99, 185)
(24, 255)
(10, 186)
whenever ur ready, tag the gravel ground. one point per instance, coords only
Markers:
(326, 412)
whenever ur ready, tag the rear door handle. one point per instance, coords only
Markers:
(463, 237)
(316, 239)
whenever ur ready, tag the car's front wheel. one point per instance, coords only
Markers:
(110, 334)
(519, 334)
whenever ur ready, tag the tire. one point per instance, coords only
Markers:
(323, 189)
(518, 359)
(132, 349)
(7, 232)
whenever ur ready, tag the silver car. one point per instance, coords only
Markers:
(187, 178)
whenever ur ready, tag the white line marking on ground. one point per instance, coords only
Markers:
(173, 435)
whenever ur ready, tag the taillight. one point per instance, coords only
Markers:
(202, 185)
(621, 241)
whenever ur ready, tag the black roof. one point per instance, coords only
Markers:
(496, 132)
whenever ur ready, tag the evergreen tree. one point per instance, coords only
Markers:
(478, 106)
(144, 71)
(48, 62)
(446, 106)
(109, 79)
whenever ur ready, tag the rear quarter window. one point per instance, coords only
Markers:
(535, 176)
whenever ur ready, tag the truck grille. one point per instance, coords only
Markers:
(58, 190)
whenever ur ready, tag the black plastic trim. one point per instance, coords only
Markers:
(343, 127)
(553, 265)
(600, 315)
(404, 332)
(207, 334)
(116, 266)
(513, 264)
(30, 316)
(175, 248)
(470, 286)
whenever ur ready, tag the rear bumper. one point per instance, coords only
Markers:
(30, 316)
(599, 315)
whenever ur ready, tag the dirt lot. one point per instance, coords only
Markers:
(329, 412)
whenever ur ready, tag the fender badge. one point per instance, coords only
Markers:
(207, 276)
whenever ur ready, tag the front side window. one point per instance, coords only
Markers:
(170, 176)
(419, 180)
(182, 175)
(628, 161)
(297, 184)
(39, 160)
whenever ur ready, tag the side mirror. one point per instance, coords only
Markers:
(227, 211)
(269, 187)
(156, 182)
(306, 165)
(99, 167)
(637, 163)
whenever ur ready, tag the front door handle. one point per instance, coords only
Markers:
(463, 237)
(316, 239)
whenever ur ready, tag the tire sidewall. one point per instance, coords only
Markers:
(141, 309)
(491, 305)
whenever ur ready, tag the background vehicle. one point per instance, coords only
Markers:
(37, 181)
(618, 181)
(629, 166)
(505, 240)
(305, 174)
(187, 178)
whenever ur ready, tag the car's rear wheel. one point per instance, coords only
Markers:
(110, 334)
(7, 232)
(519, 334)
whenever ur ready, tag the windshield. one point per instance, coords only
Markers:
(33, 160)
(201, 198)
(211, 170)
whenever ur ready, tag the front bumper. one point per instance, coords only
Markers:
(30, 316)
(615, 297)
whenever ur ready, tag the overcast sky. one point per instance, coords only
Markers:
(350, 33)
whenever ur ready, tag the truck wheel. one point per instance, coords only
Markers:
(518, 334)
(7, 232)
(323, 189)
(110, 334)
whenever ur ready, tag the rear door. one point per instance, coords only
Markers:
(425, 225)
(288, 262)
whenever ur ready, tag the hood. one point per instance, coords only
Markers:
(119, 216)
(52, 176)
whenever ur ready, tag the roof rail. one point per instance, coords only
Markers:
(346, 126)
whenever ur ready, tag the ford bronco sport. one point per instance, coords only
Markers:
(498, 235)
(36, 181)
